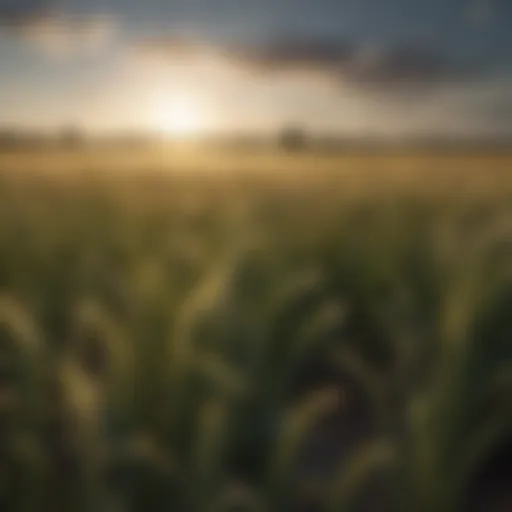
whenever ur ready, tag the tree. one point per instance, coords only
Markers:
(292, 138)
(71, 137)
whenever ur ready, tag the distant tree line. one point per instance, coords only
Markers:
(290, 138)
(67, 137)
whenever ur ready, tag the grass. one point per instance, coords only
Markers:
(220, 333)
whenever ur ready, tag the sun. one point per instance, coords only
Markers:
(179, 118)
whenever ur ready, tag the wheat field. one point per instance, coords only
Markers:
(212, 332)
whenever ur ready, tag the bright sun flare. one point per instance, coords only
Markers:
(180, 118)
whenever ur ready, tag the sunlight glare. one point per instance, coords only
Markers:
(182, 117)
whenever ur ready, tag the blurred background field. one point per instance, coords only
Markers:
(202, 330)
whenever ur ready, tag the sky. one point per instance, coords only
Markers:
(357, 67)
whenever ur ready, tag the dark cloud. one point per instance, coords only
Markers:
(402, 66)
(16, 13)
(406, 65)
(297, 54)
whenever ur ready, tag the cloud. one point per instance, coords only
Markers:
(63, 36)
(53, 31)
(14, 12)
(401, 67)
(481, 12)
(297, 55)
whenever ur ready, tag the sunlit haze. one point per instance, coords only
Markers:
(179, 117)
(362, 67)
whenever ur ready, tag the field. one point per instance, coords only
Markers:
(223, 332)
